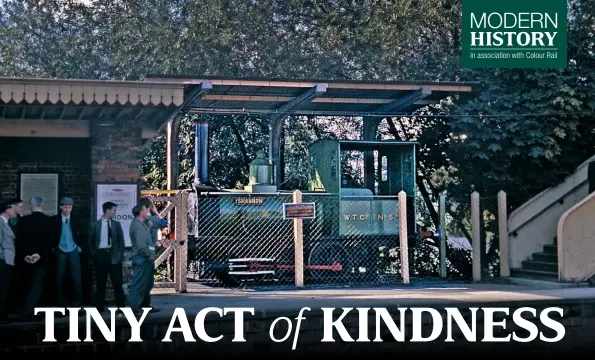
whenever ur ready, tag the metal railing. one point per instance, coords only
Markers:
(244, 240)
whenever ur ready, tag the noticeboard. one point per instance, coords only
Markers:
(299, 211)
(41, 185)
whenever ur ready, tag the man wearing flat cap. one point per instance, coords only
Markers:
(70, 242)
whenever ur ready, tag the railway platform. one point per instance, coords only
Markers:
(578, 305)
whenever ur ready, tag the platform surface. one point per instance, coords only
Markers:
(418, 295)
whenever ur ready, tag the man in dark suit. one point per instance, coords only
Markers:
(35, 245)
(106, 245)
(70, 241)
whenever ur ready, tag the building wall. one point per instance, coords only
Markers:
(111, 154)
(67, 157)
(115, 157)
(116, 151)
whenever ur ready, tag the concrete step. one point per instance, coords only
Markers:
(545, 257)
(534, 274)
(541, 266)
(550, 249)
(545, 284)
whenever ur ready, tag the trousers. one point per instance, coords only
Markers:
(143, 274)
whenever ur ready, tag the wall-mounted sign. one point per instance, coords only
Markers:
(44, 186)
(123, 195)
(299, 211)
(246, 201)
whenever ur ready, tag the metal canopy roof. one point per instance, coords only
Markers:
(218, 95)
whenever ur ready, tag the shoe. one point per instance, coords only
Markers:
(155, 310)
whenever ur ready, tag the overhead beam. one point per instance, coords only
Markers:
(45, 129)
(288, 99)
(305, 112)
(405, 101)
(297, 102)
(442, 87)
(197, 93)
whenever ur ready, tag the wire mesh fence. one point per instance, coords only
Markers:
(352, 240)
(243, 240)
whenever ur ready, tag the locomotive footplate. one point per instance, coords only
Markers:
(264, 266)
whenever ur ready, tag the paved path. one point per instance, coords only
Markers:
(417, 295)
(426, 294)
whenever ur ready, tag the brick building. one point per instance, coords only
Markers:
(62, 137)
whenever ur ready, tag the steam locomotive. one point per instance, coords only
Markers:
(353, 187)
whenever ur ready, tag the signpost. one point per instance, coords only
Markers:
(299, 211)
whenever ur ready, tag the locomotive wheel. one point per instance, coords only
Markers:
(326, 255)
(286, 276)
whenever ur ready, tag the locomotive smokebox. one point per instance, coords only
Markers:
(261, 175)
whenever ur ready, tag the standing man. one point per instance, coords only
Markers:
(155, 223)
(17, 206)
(70, 242)
(16, 286)
(35, 245)
(143, 260)
(7, 253)
(107, 249)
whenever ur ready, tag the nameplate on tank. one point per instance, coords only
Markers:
(247, 201)
(299, 211)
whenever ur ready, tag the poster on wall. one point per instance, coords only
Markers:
(123, 195)
(44, 186)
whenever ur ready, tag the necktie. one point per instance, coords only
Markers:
(66, 221)
(109, 234)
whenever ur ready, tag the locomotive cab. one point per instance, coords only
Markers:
(367, 176)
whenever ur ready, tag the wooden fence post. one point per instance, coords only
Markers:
(476, 245)
(503, 235)
(181, 243)
(298, 236)
(403, 237)
(442, 210)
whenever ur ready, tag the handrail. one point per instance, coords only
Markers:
(560, 235)
(514, 232)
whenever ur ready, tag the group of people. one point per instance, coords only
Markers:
(37, 246)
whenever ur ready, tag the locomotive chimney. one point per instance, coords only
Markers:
(261, 175)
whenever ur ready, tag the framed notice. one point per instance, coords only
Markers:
(43, 185)
(125, 196)
(299, 211)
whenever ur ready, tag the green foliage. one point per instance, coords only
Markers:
(501, 145)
